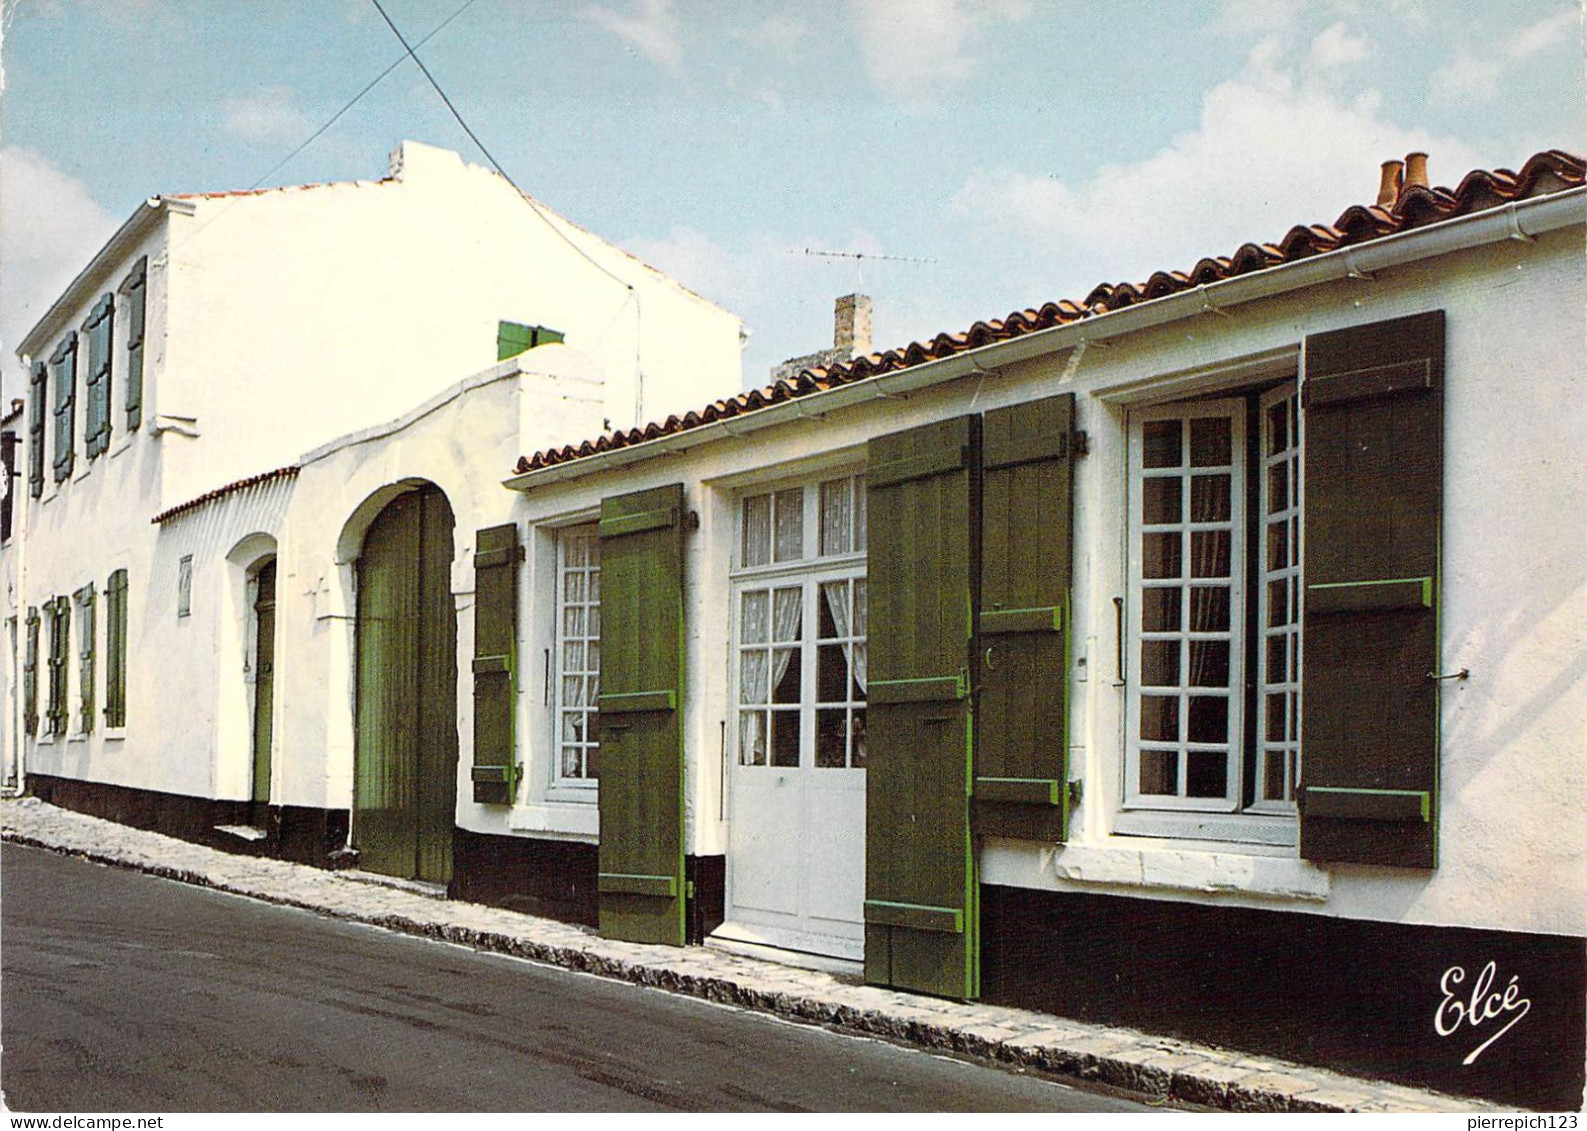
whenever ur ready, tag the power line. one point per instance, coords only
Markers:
(863, 255)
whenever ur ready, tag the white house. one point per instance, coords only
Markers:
(1197, 656)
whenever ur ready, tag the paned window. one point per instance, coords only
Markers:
(1215, 617)
(116, 650)
(800, 626)
(578, 653)
(184, 585)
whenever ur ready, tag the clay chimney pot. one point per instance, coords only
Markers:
(1416, 169)
(1389, 187)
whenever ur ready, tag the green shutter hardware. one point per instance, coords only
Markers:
(641, 869)
(497, 554)
(37, 392)
(1373, 472)
(513, 338)
(922, 905)
(63, 368)
(1021, 666)
(116, 650)
(30, 676)
(136, 292)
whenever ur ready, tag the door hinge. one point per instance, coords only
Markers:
(1076, 789)
(1079, 444)
(688, 889)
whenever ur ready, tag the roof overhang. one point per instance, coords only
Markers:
(90, 278)
(1517, 220)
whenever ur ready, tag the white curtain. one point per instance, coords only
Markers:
(836, 595)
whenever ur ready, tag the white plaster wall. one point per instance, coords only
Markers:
(299, 315)
(1513, 844)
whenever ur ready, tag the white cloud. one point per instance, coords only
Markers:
(49, 229)
(1268, 152)
(782, 31)
(915, 50)
(1477, 77)
(1336, 47)
(649, 27)
(268, 115)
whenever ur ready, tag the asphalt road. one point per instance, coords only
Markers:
(123, 992)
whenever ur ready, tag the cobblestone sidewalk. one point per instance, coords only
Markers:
(1157, 1067)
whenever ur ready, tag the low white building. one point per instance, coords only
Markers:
(1197, 656)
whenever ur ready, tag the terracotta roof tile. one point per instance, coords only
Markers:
(290, 472)
(1415, 205)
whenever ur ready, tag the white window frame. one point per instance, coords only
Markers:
(582, 787)
(808, 572)
(1225, 819)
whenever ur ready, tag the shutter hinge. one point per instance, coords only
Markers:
(1079, 444)
(688, 889)
(1076, 789)
(691, 520)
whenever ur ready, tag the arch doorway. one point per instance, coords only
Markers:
(405, 764)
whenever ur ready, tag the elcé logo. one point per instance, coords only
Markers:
(1482, 1005)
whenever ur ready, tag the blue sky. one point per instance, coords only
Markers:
(1008, 153)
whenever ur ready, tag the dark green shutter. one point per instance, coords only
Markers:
(136, 290)
(512, 338)
(116, 650)
(30, 676)
(921, 905)
(641, 881)
(85, 653)
(38, 391)
(1373, 397)
(100, 332)
(1021, 673)
(63, 368)
(497, 554)
(60, 637)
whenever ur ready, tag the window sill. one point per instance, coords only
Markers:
(581, 795)
(79, 736)
(1231, 869)
(1275, 829)
(580, 820)
(115, 734)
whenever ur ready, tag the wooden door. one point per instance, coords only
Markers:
(405, 790)
(264, 650)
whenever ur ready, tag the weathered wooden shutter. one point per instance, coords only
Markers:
(641, 880)
(63, 368)
(30, 676)
(921, 906)
(85, 653)
(497, 554)
(136, 290)
(1021, 749)
(60, 646)
(38, 392)
(1373, 397)
(99, 329)
(116, 650)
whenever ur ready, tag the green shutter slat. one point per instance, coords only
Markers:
(1373, 479)
(641, 791)
(922, 894)
(136, 290)
(1021, 664)
(497, 554)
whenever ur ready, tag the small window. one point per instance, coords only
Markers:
(1214, 631)
(184, 586)
(800, 635)
(513, 338)
(578, 653)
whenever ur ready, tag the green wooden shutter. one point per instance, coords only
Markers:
(99, 330)
(921, 906)
(30, 676)
(136, 291)
(85, 653)
(497, 554)
(641, 880)
(63, 368)
(1021, 669)
(1373, 397)
(38, 391)
(116, 650)
(512, 339)
(60, 646)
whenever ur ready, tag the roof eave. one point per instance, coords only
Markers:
(131, 232)
(1540, 214)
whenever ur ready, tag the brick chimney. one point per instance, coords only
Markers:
(1416, 169)
(1389, 187)
(851, 325)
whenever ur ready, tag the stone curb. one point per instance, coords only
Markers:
(1159, 1069)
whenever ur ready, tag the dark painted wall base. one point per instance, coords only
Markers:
(708, 908)
(554, 879)
(1378, 1000)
